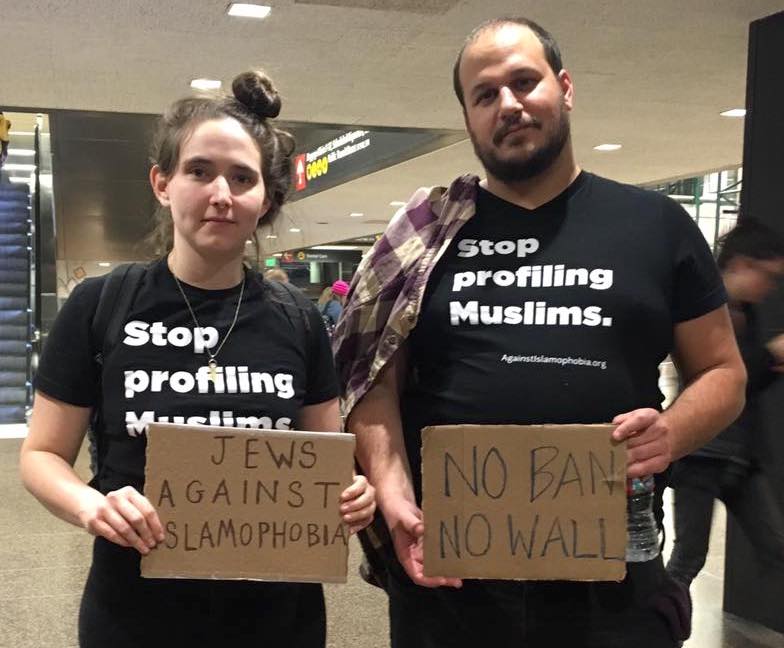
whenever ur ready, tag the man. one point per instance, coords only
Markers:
(751, 260)
(540, 260)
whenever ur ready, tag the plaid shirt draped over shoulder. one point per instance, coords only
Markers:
(386, 293)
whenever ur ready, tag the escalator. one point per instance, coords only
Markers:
(15, 307)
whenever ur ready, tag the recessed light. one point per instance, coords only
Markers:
(356, 214)
(19, 167)
(607, 147)
(21, 152)
(397, 203)
(104, 264)
(272, 236)
(245, 10)
(735, 112)
(294, 230)
(206, 84)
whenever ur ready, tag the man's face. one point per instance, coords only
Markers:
(516, 107)
(754, 279)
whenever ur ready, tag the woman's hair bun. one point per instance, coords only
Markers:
(255, 91)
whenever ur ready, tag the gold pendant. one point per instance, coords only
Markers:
(213, 370)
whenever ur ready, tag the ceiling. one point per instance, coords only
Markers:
(652, 76)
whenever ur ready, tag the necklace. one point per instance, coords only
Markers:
(212, 362)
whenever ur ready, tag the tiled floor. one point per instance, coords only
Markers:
(43, 563)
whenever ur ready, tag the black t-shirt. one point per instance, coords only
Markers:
(560, 314)
(276, 360)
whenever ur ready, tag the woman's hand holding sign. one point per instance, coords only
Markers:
(124, 517)
(357, 504)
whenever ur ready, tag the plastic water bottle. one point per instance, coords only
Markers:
(643, 534)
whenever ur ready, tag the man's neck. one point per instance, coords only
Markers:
(539, 190)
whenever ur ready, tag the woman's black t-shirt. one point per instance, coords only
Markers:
(276, 360)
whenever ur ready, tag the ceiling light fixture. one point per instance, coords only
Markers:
(335, 247)
(356, 214)
(294, 230)
(104, 264)
(272, 236)
(735, 112)
(206, 84)
(607, 147)
(18, 179)
(397, 203)
(21, 152)
(245, 10)
(23, 133)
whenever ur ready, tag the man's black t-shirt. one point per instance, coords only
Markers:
(560, 314)
(271, 365)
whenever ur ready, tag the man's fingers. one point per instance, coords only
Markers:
(633, 422)
(647, 467)
(649, 435)
(415, 572)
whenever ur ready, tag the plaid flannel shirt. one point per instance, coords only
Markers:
(386, 293)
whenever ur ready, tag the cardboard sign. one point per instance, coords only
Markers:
(242, 504)
(532, 502)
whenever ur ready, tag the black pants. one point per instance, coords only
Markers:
(646, 610)
(122, 610)
(747, 494)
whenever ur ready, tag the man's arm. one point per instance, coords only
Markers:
(381, 453)
(707, 357)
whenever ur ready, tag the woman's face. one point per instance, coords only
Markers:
(216, 194)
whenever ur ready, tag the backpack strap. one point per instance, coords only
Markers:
(293, 302)
(117, 294)
(114, 302)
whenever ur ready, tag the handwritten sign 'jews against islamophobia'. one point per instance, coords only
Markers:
(241, 504)
(528, 502)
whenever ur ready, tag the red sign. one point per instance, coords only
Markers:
(300, 179)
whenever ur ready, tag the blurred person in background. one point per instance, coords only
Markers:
(751, 261)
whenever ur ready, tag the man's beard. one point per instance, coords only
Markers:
(531, 165)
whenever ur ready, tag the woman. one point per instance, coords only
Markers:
(333, 306)
(219, 168)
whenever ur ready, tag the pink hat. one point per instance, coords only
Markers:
(340, 288)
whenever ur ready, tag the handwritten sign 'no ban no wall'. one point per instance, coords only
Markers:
(239, 504)
(538, 502)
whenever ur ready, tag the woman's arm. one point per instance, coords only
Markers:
(48, 453)
(358, 501)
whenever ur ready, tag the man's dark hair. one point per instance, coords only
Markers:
(752, 239)
(551, 50)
